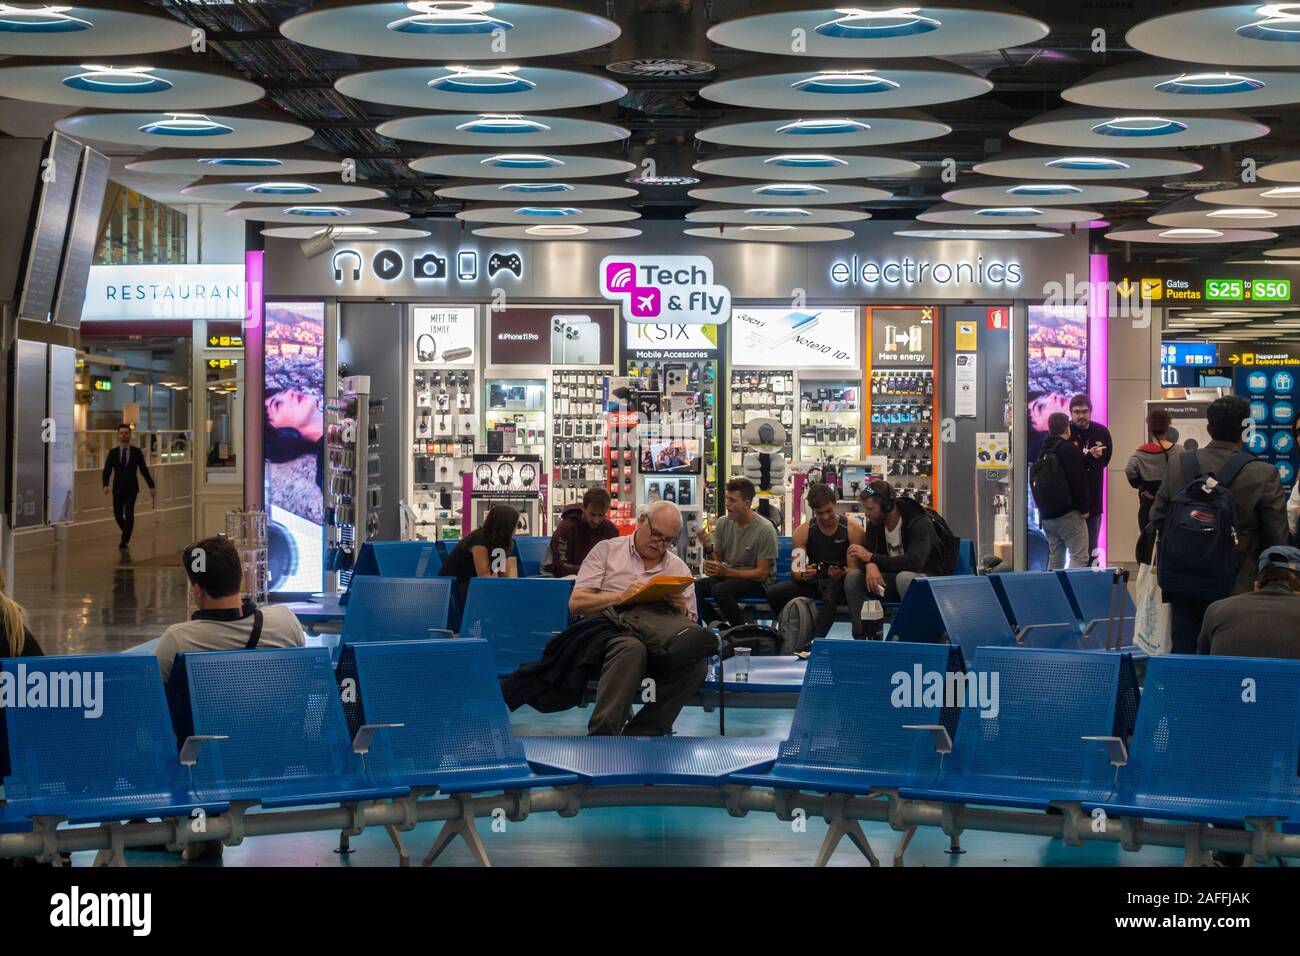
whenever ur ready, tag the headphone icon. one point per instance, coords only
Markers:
(336, 262)
(484, 475)
(421, 353)
(527, 475)
(505, 474)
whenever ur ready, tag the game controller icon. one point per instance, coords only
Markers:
(510, 262)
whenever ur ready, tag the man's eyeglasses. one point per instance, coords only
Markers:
(655, 536)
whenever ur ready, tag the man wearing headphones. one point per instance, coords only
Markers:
(900, 545)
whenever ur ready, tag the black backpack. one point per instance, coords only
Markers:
(1047, 481)
(1199, 553)
(762, 641)
(947, 544)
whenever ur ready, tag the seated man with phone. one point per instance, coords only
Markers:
(739, 557)
(821, 562)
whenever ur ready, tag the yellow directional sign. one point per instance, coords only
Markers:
(1152, 288)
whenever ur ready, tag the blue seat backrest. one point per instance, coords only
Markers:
(1217, 728)
(516, 616)
(784, 550)
(280, 708)
(853, 707)
(1044, 703)
(60, 753)
(399, 559)
(965, 557)
(1089, 591)
(966, 609)
(396, 609)
(532, 554)
(446, 693)
(1033, 597)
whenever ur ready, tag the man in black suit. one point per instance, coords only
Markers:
(122, 463)
(1095, 444)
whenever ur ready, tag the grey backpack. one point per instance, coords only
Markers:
(796, 624)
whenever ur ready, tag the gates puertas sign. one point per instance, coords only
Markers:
(665, 289)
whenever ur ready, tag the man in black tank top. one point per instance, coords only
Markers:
(824, 542)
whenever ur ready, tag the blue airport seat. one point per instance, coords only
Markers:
(1032, 751)
(397, 609)
(516, 616)
(849, 731)
(1036, 604)
(120, 765)
(1216, 741)
(532, 554)
(1089, 591)
(637, 761)
(962, 610)
(398, 559)
(784, 552)
(965, 557)
(288, 741)
(456, 734)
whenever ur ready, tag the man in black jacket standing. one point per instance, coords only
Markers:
(1065, 525)
(121, 464)
(1095, 444)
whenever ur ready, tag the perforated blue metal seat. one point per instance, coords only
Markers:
(667, 761)
(1031, 752)
(1036, 604)
(849, 731)
(532, 554)
(456, 734)
(398, 559)
(288, 741)
(964, 610)
(965, 557)
(397, 609)
(1217, 740)
(516, 616)
(119, 765)
(1090, 591)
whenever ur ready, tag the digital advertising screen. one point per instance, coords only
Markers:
(294, 438)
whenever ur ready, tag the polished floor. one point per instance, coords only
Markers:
(93, 598)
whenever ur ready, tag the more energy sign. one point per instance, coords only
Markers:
(665, 289)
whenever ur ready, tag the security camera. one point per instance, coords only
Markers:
(318, 244)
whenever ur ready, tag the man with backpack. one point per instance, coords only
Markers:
(1059, 483)
(824, 543)
(903, 541)
(1217, 509)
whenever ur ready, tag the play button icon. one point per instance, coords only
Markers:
(388, 264)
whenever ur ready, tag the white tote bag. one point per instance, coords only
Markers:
(1152, 629)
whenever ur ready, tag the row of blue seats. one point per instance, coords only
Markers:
(1213, 741)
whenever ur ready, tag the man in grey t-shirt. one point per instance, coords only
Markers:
(739, 557)
(1264, 622)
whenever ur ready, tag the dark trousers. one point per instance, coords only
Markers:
(828, 592)
(124, 512)
(626, 666)
(1094, 534)
(1185, 617)
(718, 598)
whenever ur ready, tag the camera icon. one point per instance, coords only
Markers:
(430, 266)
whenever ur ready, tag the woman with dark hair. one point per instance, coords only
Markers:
(486, 552)
(295, 427)
(1145, 472)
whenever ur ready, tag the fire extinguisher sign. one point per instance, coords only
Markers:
(998, 318)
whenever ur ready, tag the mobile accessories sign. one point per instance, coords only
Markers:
(665, 289)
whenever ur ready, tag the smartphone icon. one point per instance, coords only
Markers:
(467, 266)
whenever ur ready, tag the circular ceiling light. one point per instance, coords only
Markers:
(775, 215)
(1036, 163)
(782, 131)
(536, 192)
(360, 214)
(240, 128)
(874, 31)
(995, 193)
(977, 234)
(459, 164)
(162, 82)
(492, 129)
(558, 232)
(99, 28)
(788, 83)
(1288, 249)
(1247, 33)
(772, 233)
(281, 161)
(804, 167)
(345, 233)
(1241, 213)
(440, 29)
(1086, 126)
(226, 189)
(545, 216)
(794, 194)
(1189, 211)
(972, 216)
(130, 80)
(1172, 85)
(488, 89)
(1287, 171)
(1145, 232)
